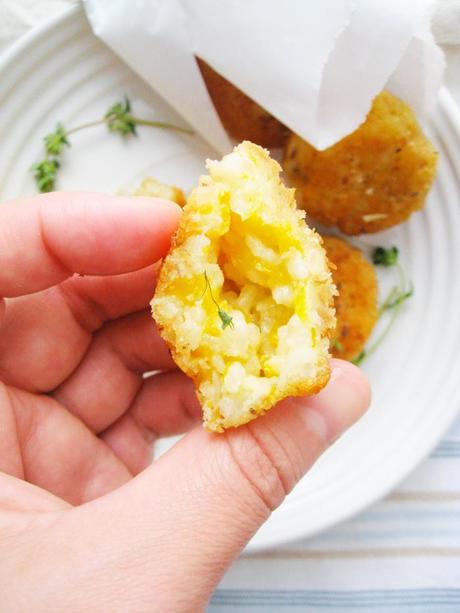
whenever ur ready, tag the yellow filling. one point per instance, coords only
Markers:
(244, 251)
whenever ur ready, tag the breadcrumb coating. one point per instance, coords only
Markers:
(244, 250)
(372, 179)
(356, 304)
(243, 118)
(155, 189)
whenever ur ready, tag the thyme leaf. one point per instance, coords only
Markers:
(225, 318)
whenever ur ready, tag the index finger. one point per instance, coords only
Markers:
(47, 238)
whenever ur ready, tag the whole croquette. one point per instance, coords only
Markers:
(356, 303)
(372, 179)
(243, 118)
(244, 299)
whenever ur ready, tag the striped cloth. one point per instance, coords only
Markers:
(402, 554)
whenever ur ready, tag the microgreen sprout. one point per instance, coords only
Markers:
(225, 318)
(393, 302)
(360, 358)
(396, 297)
(117, 119)
(336, 344)
(385, 257)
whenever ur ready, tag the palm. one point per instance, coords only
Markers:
(77, 418)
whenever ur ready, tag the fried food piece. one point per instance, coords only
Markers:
(372, 179)
(356, 304)
(243, 118)
(245, 297)
(153, 188)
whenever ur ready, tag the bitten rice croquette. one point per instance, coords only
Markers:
(155, 189)
(243, 118)
(245, 297)
(372, 179)
(356, 303)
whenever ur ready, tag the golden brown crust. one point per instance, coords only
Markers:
(243, 118)
(306, 388)
(356, 304)
(155, 189)
(372, 179)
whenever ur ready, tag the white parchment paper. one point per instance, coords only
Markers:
(316, 66)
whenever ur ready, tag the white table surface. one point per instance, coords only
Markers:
(403, 553)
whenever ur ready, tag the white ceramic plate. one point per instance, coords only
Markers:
(62, 73)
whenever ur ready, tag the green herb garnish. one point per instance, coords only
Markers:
(117, 119)
(336, 344)
(393, 302)
(45, 174)
(359, 358)
(56, 141)
(396, 297)
(385, 257)
(225, 318)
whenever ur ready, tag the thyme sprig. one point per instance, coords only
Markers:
(118, 118)
(225, 318)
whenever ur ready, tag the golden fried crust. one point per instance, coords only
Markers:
(155, 189)
(372, 179)
(213, 421)
(356, 304)
(243, 118)
(242, 247)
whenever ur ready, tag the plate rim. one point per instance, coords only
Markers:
(11, 51)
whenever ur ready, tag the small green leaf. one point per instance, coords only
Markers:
(56, 141)
(226, 319)
(118, 118)
(385, 257)
(45, 174)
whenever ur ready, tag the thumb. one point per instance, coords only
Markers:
(163, 541)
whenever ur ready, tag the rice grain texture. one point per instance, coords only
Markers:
(243, 249)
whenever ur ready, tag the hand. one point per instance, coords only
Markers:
(86, 523)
